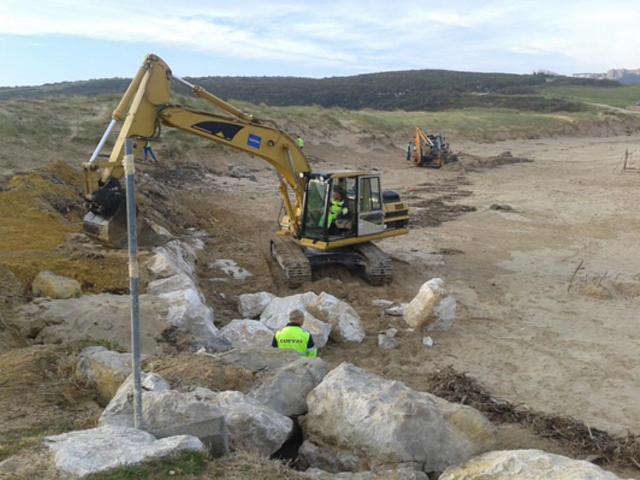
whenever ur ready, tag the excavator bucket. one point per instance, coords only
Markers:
(111, 230)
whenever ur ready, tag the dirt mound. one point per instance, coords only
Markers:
(39, 211)
(598, 445)
(474, 163)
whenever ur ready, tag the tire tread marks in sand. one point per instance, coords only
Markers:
(597, 445)
(438, 207)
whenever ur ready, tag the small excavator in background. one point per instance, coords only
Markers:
(431, 151)
(312, 231)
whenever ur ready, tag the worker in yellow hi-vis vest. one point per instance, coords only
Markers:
(294, 337)
(300, 142)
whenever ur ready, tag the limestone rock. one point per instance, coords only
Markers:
(251, 305)
(232, 269)
(344, 320)
(48, 284)
(276, 316)
(390, 423)
(119, 411)
(247, 332)
(526, 465)
(387, 342)
(86, 452)
(327, 459)
(187, 310)
(433, 305)
(172, 258)
(396, 310)
(102, 317)
(402, 473)
(168, 412)
(251, 426)
(381, 303)
(445, 313)
(105, 369)
(286, 390)
(257, 359)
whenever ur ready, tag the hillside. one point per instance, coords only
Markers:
(406, 90)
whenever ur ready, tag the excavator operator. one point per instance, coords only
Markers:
(337, 210)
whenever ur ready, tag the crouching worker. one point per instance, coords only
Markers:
(294, 337)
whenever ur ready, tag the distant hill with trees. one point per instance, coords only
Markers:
(414, 90)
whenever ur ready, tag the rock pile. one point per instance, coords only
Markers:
(325, 315)
(173, 301)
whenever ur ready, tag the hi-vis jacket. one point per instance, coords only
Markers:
(294, 337)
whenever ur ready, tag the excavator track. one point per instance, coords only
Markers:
(378, 268)
(292, 260)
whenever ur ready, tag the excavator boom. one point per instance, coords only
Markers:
(146, 106)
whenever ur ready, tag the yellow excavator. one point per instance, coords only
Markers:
(430, 150)
(329, 218)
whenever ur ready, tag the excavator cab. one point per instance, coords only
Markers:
(342, 205)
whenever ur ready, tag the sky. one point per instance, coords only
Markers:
(44, 41)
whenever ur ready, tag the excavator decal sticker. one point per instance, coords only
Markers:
(254, 140)
(219, 129)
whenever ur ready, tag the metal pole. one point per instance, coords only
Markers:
(134, 281)
(103, 140)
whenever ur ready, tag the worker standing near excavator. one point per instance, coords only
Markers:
(300, 142)
(294, 337)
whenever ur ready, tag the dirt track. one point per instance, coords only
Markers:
(528, 328)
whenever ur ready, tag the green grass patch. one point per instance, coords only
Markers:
(621, 97)
(180, 466)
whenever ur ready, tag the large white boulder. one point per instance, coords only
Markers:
(251, 426)
(105, 369)
(119, 411)
(526, 465)
(172, 258)
(276, 316)
(247, 332)
(433, 306)
(286, 390)
(219, 419)
(169, 412)
(101, 317)
(87, 452)
(344, 320)
(251, 305)
(48, 284)
(187, 309)
(390, 423)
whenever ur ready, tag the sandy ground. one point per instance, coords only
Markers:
(528, 329)
(548, 290)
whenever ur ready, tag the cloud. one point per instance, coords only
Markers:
(354, 35)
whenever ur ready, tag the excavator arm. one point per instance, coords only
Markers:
(146, 106)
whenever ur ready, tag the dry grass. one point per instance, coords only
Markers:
(187, 370)
(39, 396)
